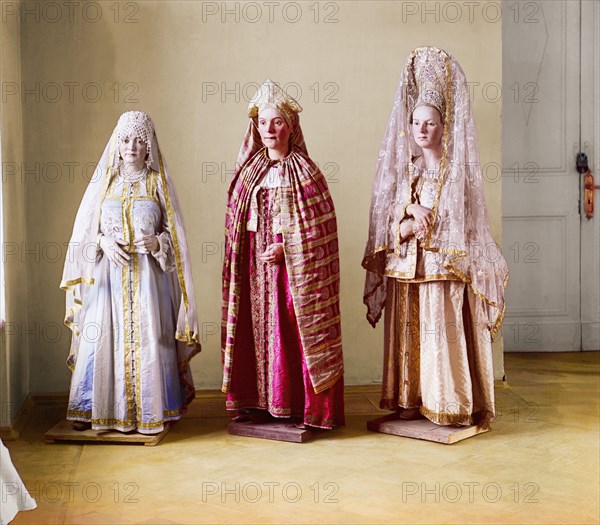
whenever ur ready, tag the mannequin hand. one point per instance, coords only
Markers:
(112, 249)
(420, 232)
(147, 243)
(407, 228)
(421, 214)
(273, 254)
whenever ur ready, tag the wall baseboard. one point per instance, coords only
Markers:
(12, 432)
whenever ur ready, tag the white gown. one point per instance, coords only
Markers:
(126, 375)
(13, 493)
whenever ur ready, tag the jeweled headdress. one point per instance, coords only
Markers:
(137, 124)
(271, 95)
(429, 70)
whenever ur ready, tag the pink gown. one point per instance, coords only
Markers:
(270, 371)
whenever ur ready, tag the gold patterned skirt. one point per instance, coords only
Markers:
(437, 353)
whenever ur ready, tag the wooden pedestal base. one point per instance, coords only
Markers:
(422, 429)
(272, 429)
(64, 431)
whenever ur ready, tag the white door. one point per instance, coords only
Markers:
(549, 114)
(590, 144)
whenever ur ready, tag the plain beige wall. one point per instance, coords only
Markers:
(172, 58)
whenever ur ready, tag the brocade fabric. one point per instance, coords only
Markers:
(271, 373)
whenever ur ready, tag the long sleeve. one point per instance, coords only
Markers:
(99, 252)
(165, 256)
(401, 244)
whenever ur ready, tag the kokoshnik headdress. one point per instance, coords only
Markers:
(429, 83)
(432, 77)
(270, 95)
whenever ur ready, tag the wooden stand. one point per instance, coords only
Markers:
(64, 431)
(422, 429)
(272, 429)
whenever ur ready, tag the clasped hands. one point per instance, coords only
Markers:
(419, 225)
(112, 247)
(273, 254)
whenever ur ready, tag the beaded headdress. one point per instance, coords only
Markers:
(137, 124)
(429, 74)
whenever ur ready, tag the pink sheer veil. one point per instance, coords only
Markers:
(469, 252)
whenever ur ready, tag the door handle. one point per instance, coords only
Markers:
(588, 194)
(588, 185)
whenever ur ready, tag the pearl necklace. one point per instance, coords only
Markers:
(133, 176)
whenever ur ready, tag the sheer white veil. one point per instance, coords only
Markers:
(78, 271)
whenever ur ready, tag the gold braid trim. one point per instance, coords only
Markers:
(441, 418)
(128, 236)
(193, 340)
(86, 415)
(135, 314)
(67, 285)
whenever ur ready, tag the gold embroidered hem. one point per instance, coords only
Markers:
(444, 418)
(407, 278)
(149, 427)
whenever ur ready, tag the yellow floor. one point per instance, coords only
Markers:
(538, 465)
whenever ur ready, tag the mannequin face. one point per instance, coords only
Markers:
(274, 130)
(133, 151)
(427, 127)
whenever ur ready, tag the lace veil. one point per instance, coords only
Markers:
(433, 77)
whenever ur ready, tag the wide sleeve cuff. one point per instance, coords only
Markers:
(164, 255)
(99, 252)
